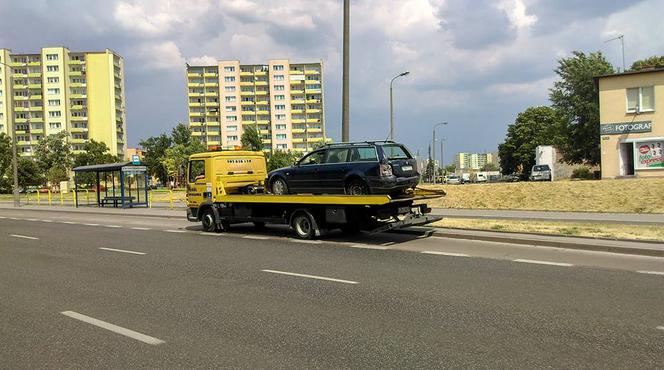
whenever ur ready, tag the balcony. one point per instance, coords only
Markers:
(212, 93)
(297, 130)
(36, 108)
(34, 74)
(37, 119)
(35, 97)
(314, 130)
(34, 86)
(78, 129)
(213, 142)
(297, 140)
(195, 104)
(247, 102)
(263, 102)
(20, 120)
(78, 107)
(261, 83)
(263, 122)
(75, 73)
(79, 118)
(195, 114)
(75, 62)
(194, 74)
(298, 120)
(20, 97)
(262, 111)
(297, 92)
(78, 96)
(211, 74)
(195, 94)
(77, 84)
(246, 73)
(313, 101)
(313, 120)
(195, 84)
(211, 84)
(297, 111)
(312, 72)
(261, 93)
(296, 82)
(20, 109)
(248, 122)
(23, 143)
(260, 73)
(246, 83)
(20, 87)
(196, 133)
(297, 101)
(314, 91)
(296, 72)
(17, 64)
(247, 93)
(34, 63)
(313, 110)
(77, 141)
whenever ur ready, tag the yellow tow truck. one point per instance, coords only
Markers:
(227, 187)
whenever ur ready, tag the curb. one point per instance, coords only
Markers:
(174, 216)
(560, 243)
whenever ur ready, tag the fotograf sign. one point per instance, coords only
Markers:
(625, 127)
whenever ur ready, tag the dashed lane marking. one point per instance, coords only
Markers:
(141, 228)
(24, 237)
(660, 327)
(113, 226)
(91, 224)
(306, 241)
(367, 246)
(450, 254)
(175, 231)
(651, 272)
(122, 251)
(256, 237)
(311, 276)
(114, 328)
(544, 262)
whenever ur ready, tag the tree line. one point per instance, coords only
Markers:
(571, 122)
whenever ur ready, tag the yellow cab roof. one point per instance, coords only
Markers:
(227, 153)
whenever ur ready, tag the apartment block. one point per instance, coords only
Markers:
(57, 90)
(283, 100)
(472, 161)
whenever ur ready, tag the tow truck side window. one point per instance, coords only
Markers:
(196, 170)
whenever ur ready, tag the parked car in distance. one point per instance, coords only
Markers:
(453, 180)
(513, 177)
(478, 177)
(540, 172)
(381, 167)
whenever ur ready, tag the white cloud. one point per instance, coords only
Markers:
(160, 55)
(516, 13)
(205, 60)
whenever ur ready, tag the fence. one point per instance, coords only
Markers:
(156, 198)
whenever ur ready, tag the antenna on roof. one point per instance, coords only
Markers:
(622, 45)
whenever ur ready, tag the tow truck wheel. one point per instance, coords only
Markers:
(207, 219)
(304, 226)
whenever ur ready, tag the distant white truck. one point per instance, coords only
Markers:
(545, 155)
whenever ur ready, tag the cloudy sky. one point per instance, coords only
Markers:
(473, 63)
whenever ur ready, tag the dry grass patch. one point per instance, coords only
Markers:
(629, 195)
(612, 231)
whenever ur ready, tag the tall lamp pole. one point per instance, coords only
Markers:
(10, 97)
(345, 122)
(433, 148)
(392, 103)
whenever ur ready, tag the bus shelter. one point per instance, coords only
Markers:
(120, 184)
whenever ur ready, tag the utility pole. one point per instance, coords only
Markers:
(622, 46)
(345, 123)
(12, 124)
(392, 103)
(433, 146)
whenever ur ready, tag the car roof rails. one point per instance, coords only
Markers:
(361, 143)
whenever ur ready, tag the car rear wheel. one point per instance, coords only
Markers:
(357, 187)
(279, 187)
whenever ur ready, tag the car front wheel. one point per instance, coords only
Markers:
(279, 187)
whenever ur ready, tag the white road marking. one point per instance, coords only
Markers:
(306, 241)
(388, 243)
(31, 219)
(69, 222)
(141, 228)
(367, 246)
(3, 217)
(114, 328)
(660, 327)
(24, 237)
(446, 254)
(91, 224)
(544, 262)
(311, 276)
(652, 272)
(47, 220)
(121, 250)
(175, 231)
(13, 218)
(256, 237)
(208, 234)
(112, 226)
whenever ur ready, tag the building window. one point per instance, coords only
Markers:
(279, 77)
(279, 107)
(52, 68)
(280, 127)
(53, 80)
(282, 146)
(278, 67)
(229, 88)
(279, 97)
(229, 98)
(231, 109)
(232, 138)
(54, 102)
(229, 69)
(231, 118)
(229, 78)
(231, 128)
(56, 113)
(53, 91)
(51, 56)
(280, 116)
(642, 98)
(279, 87)
(281, 136)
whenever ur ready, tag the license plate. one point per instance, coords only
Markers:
(407, 168)
(403, 210)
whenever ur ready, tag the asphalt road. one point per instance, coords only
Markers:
(92, 291)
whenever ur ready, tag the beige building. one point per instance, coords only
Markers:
(631, 106)
(472, 161)
(284, 101)
(57, 90)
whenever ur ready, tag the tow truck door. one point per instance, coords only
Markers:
(199, 182)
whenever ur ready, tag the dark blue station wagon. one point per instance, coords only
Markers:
(383, 167)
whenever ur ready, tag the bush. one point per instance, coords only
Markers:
(582, 173)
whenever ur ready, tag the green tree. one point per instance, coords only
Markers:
(54, 157)
(29, 173)
(94, 152)
(155, 150)
(280, 159)
(489, 167)
(5, 162)
(575, 97)
(181, 134)
(176, 158)
(429, 171)
(450, 169)
(251, 139)
(532, 127)
(652, 62)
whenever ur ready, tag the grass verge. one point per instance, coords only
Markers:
(611, 231)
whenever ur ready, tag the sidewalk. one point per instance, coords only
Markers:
(590, 217)
(643, 248)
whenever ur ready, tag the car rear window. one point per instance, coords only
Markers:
(395, 151)
(541, 168)
(363, 154)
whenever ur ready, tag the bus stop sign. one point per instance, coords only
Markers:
(135, 160)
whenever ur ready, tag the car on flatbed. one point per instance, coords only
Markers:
(371, 167)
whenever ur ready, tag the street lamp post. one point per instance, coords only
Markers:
(433, 148)
(392, 103)
(345, 113)
(10, 97)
